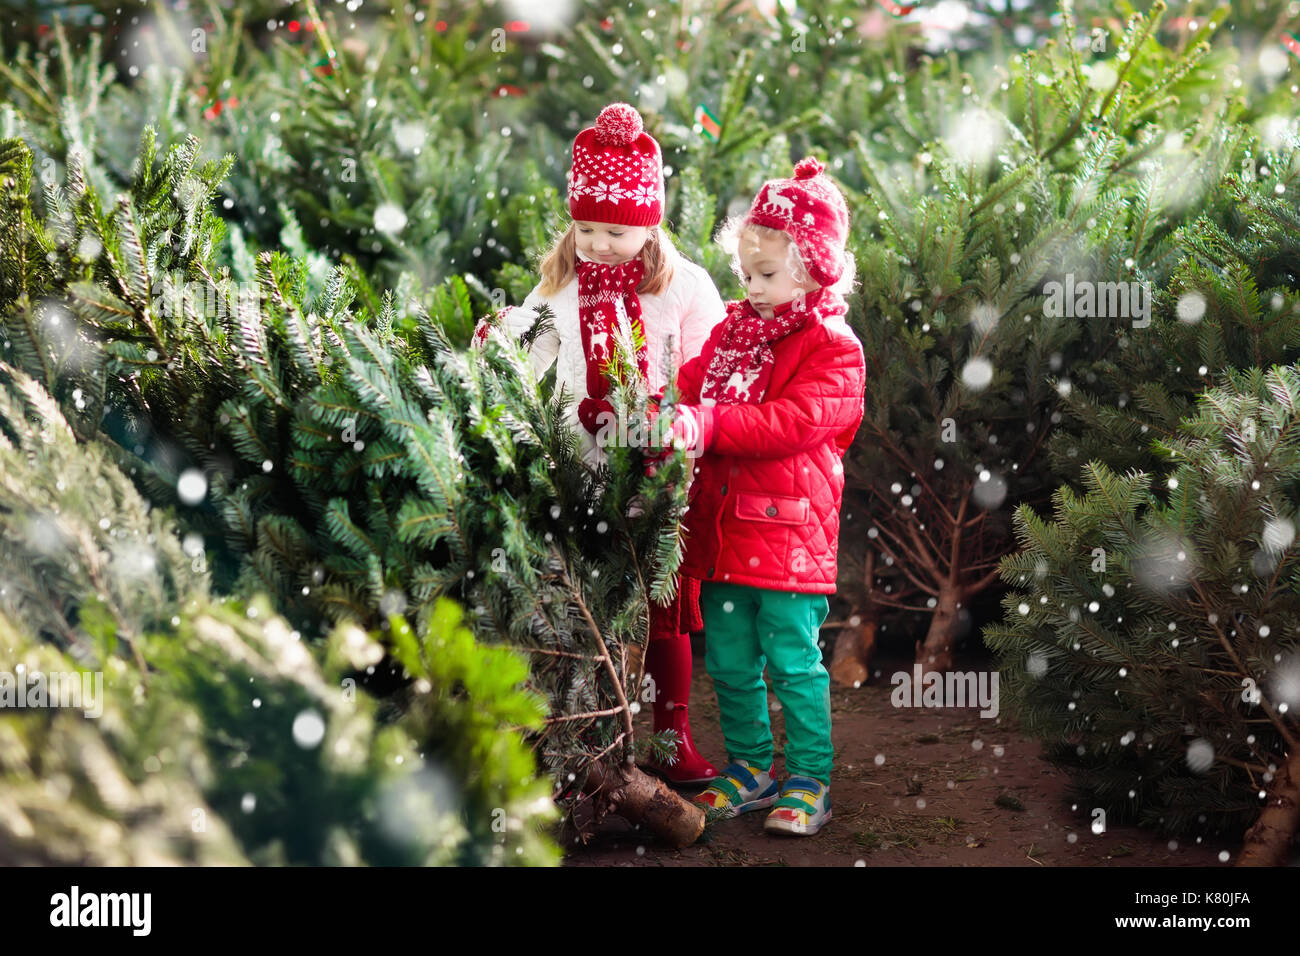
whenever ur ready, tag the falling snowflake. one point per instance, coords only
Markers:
(977, 373)
(191, 486)
(974, 136)
(1284, 682)
(1278, 534)
(1162, 563)
(990, 490)
(1200, 755)
(410, 136)
(1102, 76)
(1191, 307)
(1036, 666)
(389, 219)
(308, 729)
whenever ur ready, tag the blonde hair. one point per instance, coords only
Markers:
(735, 229)
(558, 267)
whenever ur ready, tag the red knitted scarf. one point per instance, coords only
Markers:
(601, 288)
(741, 367)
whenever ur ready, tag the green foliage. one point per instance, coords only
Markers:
(1232, 301)
(1150, 636)
(357, 465)
(289, 325)
(230, 738)
(975, 205)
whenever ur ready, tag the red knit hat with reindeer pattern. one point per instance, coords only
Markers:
(617, 174)
(811, 210)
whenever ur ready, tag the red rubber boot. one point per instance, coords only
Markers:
(668, 662)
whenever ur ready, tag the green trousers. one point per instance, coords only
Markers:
(747, 628)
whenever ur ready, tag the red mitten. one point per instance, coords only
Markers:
(502, 320)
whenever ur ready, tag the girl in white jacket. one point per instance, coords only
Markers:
(612, 271)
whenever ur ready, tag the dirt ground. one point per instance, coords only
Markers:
(954, 789)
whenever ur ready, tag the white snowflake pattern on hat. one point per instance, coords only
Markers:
(644, 194)
(608, 192)
(813, 212)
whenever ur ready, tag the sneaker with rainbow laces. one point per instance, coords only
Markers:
(803, 808)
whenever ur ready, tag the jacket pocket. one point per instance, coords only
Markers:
(778, 509)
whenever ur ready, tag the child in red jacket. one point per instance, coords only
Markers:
(770, 405)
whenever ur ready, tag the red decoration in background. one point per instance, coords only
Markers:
(607, 24)
(506, 89)
(516, 26)
(1292, 43)
(898, 9)
(213, 111)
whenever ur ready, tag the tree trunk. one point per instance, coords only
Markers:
(642, 799)
(635, 661)
(936, 653)
(853, 650)
(1268, 842)
(855, 643)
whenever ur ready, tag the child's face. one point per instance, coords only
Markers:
(765, 270)
(609, 243)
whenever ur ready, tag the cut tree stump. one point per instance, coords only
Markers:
(935, 653)
(1268, 842)
(852, 654)
(857, 637)
(642, 799)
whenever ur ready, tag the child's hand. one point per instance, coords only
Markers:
(683, 432)
(685, 429)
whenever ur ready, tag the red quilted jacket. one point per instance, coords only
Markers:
(765, 501)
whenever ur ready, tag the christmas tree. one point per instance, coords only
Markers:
(357, 466)
(1230, 302)
(218, 734)
(968, 255)
(1149, 635)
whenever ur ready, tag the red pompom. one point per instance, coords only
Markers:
(807, 168)
(618, 124)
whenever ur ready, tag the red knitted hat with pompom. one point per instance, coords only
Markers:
(812, 211)
(617, 173)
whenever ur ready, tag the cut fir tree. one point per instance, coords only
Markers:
(355, 464)
(218, 735)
